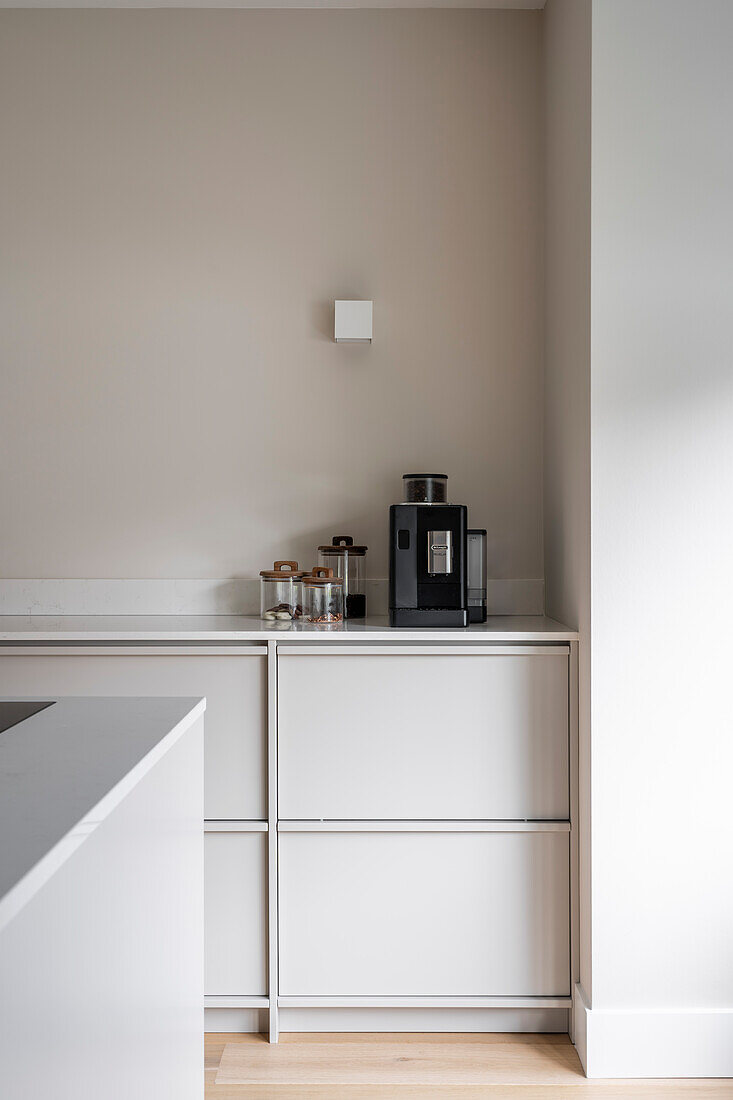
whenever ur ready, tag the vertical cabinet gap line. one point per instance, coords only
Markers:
(574, 792)
(272, 844)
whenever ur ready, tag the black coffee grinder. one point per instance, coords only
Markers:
(428, 581)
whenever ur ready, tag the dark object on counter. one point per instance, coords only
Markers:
(11, 712)
(477, 575)
(425, 488)
(355, 607)
(349, 563)
(428, 584)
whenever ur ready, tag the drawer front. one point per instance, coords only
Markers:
(424, 914)
(235, 720)
(419, 736)
(235, 914)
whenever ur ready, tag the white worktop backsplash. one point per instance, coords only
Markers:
(232, 596)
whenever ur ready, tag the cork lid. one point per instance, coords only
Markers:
(321, 575)
(341, 545)
(281, 570)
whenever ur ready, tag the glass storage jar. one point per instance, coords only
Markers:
(323, 597)
(424, 488)
(298, 592)
(279, 592)
(349, 563)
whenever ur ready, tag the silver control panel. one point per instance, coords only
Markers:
(440, 552)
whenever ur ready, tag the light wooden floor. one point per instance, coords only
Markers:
(416, 1067)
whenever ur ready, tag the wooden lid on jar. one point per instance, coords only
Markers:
(321, 575)
(343, 545)
(281, 570)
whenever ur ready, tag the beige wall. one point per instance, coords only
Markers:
(567, 55)
(182, 196)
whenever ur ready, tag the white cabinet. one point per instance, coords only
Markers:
(235, 916)
(424, 914)
(232, 679)
(421, 793)
(417, 733)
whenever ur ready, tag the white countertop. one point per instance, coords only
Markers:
(64, 770)
(243, 628)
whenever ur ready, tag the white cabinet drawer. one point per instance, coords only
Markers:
(424, 914)
(418, 735)
(235, 914)
(233, 683)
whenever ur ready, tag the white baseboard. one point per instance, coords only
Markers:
(578, 1025)
(225, 596)
(424, 1019)
(391, 1019)
(250, 1021)
(658, 1043)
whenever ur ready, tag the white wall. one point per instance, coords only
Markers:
(662, 538)
(182, 194)
(567, 45)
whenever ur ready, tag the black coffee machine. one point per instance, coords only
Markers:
(428, 580)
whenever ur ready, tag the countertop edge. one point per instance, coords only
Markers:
(241, 636)
(169, 629)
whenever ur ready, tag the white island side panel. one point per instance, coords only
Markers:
(63, 771)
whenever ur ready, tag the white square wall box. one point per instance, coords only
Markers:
(353, 321)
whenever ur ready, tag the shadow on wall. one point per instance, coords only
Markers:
(322, 317)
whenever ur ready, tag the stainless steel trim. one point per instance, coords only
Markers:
(440, 553)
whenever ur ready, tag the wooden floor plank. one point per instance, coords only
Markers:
(394, 1064)
(421, 1067)
(389, 1063)
(530, 1038)
(588, 1090)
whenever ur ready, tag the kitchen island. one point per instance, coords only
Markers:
(101, 899)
